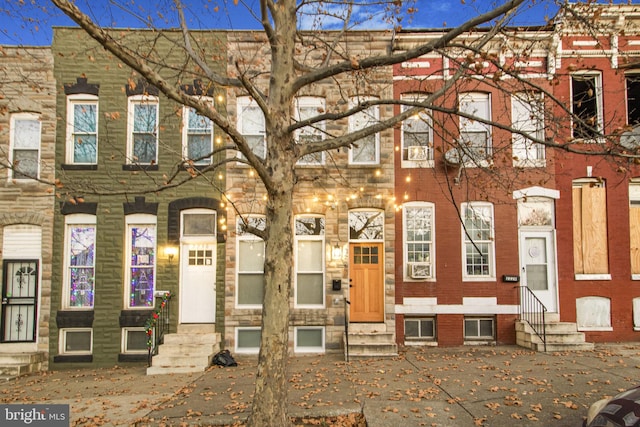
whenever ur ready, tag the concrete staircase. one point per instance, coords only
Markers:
(370, 340)
(13, 365)
(561, 336)
(191, 349)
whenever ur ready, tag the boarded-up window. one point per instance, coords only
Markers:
(590, 251)
(634, 226)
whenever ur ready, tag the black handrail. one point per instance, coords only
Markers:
(532, 311)
(158, 324)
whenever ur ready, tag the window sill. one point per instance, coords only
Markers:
(426, 342)
(540, 163)
(635, 277)
(593, 276)
(415, 164)
(479, 342)
(75, 167)
(478, 279)
(595, 329)
(139, 167)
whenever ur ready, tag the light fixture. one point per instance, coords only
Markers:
(336, 252)
(170, 252)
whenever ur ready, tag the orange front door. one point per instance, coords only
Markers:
(366, 271)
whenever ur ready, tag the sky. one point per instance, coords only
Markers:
(29, 22)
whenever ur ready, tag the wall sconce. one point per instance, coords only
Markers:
(170, 252)
(336, 252)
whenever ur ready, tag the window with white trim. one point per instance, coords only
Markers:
(308, 107)
(248, 339)
(478, 241)
(25, 137)
(479, 328)
(251, 124)
(419, 328)
(475, 133)
(309, 262)
(75, 341)
(82, 129)
(590, 247)
(134, 341)
(80, 261)
(250, 264)
(309, 339)
(417, 135)
(140, 260)
(142, 140)
(586, 105)
(527, 116)
(197, 136)
(365, 151)
(418, 240)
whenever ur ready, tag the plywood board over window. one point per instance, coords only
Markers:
(590, 250)
(634, 227)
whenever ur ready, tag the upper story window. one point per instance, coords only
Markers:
(590, 248)
(140, 260)
(82, 129)
(308, 107)
(478, 245)
(586, 105)
(366, 151)
(419, 248)
(527, 116)
(417, 136)
(250, 264)
(197, 137)
(80, 261)
(25, 133)
(630, 139)
(251, 124)
(475, 133)
(309, 262)
(142, 139)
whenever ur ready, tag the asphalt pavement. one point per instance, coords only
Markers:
(424, 386)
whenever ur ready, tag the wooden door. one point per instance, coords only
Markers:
(366, 269)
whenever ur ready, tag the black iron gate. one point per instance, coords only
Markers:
(19, 301)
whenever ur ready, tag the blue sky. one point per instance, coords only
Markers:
(29, 22)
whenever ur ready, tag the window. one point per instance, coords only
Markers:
(76, 341)
(82, 129)
(143, 130)
(420, 328)
(586, 106)
(366, 151)
(417, 135)
(134, 340)
(80, 261)
(250, 262)
(590, 248)
(309, 244)
(475, 135)
(634, 228)
(366, 225)
(251, 125)
(197, 137)
(25, 146)
(478, 328)
(248, 340)
(141, 260)
(308, 107)
(418, 240)
(309, 339)
(527, 115)
(630, 139)
(478, 241)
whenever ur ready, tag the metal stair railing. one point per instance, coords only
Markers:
(532, 311)
(157, 324)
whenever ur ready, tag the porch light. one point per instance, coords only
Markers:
(170, 252)
(336, 252)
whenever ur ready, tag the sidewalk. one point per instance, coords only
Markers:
(462, 386)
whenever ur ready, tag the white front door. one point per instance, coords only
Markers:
(538, 265)
(198, 283)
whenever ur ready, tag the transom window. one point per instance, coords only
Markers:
(25, 146)
(143, 130)
(366, 225)
(82, 129)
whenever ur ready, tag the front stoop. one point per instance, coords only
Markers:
(13, 365)
(191, 349)
(561, 336)
(370, 341)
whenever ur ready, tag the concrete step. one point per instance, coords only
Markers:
(370, 344)
(367, 338)
(163, 370)
(181, 338)
(197, 328)
(190, 350)
(13, 365)
(185, 360)
(187, 349)
(551, 347)
(560, 336)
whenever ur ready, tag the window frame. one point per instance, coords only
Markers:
(13, 172)
(318, 129)
(426, 117)
(421, 337)
(373, 112)
(135, 221)
(246, 237)
(132, 102)
(479, 338)
(309, 349)
(123, 344)
(431, 242)
(491, 276)
(598, 104)
(62, 341)
(298, 240)
(475, 126)
(246, 350)
(242, 105)
(187, 133)
(529, 120)
(73, 221)
(72, 101)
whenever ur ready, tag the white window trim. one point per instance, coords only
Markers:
(316, 350)
(63, 341)
(242, 103)
(492, 247)
(69, 221)
(247, 237)
(422, 338)
(12, 127)
(131, 102)
(481, 338)
(318, 128)
(132, 220)
(375, 112)
(423, 205)
(185, 132)
(72, 100)
(599, 104)
(477, 125)
(424, 115)
(246, 350)
(123, 344)
(297, 239)
(538, 99)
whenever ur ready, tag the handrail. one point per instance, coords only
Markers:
(157, 324)
(532, 311)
